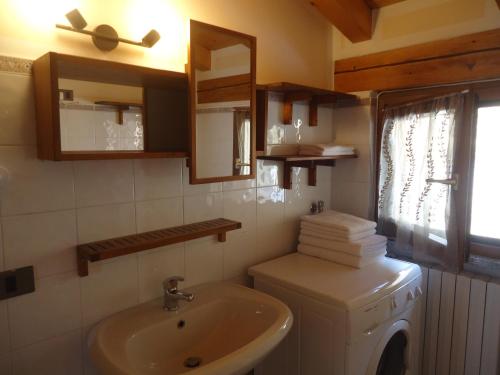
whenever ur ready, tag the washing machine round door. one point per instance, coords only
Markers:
(392, 353)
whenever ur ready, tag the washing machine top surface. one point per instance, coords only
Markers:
(336, 284)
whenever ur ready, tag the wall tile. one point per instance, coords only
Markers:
(352, 125)
(17, 114)
(239, 250)
(61, 355)
(103, 182)
(88, 366)
(5, 364)
(239, 185)
(4, 329)
(103, 222)
(239, 253)
(322, 133)
(270, 219)
(158, 178)
(269, 173)
(355, 170)
(110, 287)
(189, 189)
(240, 205)
(33, 183)
(159, 214)
(155, 266)
(203, 207)
(204, 261)
(54, 308)
(352, 198)
(50, 245)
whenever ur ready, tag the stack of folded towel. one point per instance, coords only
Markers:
(341, 238)
(325, 149)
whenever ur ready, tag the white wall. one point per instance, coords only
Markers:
(352, 189)
(49, 207)
(294, 42)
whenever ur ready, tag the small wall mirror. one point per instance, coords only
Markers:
(222, 91)
(97, 116)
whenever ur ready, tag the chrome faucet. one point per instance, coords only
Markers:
(172, 296)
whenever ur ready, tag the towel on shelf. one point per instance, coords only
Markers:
(284, 149)
(338, 257)
(325, 149)
(340, 222)
(365, 247)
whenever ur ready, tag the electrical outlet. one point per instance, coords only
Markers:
(16, 282)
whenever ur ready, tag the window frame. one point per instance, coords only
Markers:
(477, 95)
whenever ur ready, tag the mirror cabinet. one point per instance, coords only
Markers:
(95, 109)
(221, 73)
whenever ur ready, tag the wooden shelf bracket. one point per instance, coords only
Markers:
(313, 96)
(299, 161)
(311, 170)
(111, 248)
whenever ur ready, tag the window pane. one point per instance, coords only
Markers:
(485, 219)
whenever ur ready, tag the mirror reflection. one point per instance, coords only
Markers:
(222, 74)
(97, 116)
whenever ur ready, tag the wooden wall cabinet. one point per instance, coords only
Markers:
(164, 106)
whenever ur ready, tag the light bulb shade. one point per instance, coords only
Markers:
(76, 19)
(151, 38)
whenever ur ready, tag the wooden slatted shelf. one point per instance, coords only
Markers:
(115, 247)
(315, 96)
(302, 161)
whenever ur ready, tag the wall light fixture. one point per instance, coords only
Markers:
(104, 36)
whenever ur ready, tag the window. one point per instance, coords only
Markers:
(439, 173)
(485, 218)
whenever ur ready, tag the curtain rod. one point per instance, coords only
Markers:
(438, 86)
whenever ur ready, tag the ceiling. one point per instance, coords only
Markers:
(352, 17)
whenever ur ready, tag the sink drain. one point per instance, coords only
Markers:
(192, 362)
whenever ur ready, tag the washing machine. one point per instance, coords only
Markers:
(347, 321)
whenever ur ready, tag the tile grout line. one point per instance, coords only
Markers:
(82, 333)
(133, 164)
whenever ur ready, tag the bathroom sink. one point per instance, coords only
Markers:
(227, 329)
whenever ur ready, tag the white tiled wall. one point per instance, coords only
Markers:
(46, 208)
(352, 185)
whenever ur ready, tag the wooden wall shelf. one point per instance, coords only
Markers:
(120, 107)
(309, 162)
(115, 247)
(315, 96)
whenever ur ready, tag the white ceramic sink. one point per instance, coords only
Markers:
(229, 327)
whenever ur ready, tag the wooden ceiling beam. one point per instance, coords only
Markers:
(375, 4)
(352, 17)
(464, 58)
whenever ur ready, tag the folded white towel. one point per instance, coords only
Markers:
(284, 149)
(324, 149)
(365, 247)
(340, 222)
(338, 257)
(332, 234)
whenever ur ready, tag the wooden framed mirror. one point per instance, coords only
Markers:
(222, 104)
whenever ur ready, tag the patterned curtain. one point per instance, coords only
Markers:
(417, 215)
